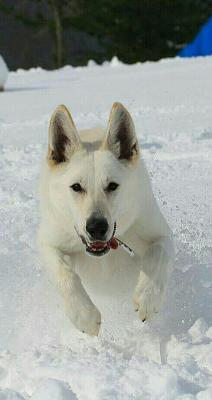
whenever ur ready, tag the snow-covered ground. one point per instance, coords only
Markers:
(42, 357)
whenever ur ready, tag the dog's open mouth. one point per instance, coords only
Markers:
(99, 248)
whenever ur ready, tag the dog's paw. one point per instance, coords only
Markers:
(89, 321)
(85, 317)
(147, 300)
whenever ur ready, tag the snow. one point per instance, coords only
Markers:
(10, 395)
(53, 390)
(41, 355)
(3, 72)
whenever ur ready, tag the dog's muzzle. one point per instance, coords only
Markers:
(101, 248)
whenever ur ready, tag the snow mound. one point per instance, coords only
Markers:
(3, 72)
(8, 394)
(53, 389)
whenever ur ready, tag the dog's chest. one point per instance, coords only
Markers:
(113, 274)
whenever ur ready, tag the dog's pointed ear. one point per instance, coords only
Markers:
(120, 138)
(63, 137)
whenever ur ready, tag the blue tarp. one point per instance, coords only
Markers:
(202, 44)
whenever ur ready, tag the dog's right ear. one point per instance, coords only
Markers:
(63, 137)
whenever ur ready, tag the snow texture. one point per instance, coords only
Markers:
(3, 72)
(8, 394)
(53, 390)
(41, 355)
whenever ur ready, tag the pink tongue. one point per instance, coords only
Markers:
(98, 245)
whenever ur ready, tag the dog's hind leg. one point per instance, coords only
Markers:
(79, 307)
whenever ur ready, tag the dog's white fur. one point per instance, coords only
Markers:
(94, 159)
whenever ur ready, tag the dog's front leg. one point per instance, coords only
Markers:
(79, 307)
(149, 292)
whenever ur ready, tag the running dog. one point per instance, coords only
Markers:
(97, 201)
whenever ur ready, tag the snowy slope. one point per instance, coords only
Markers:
(41, 354)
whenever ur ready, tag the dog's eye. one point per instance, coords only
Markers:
(77, 187)
(112, 186)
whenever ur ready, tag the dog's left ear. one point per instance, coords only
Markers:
(121, 137)
(63, 136)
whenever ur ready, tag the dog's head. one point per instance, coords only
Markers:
(94, 186)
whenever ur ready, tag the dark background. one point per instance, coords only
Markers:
(52, 33)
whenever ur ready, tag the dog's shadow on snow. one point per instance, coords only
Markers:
(188, 296)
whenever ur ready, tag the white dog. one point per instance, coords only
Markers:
(95, 197)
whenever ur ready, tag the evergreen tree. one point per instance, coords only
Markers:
(139, 30)
(52, 14)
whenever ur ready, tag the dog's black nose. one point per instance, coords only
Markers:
(97, 227)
